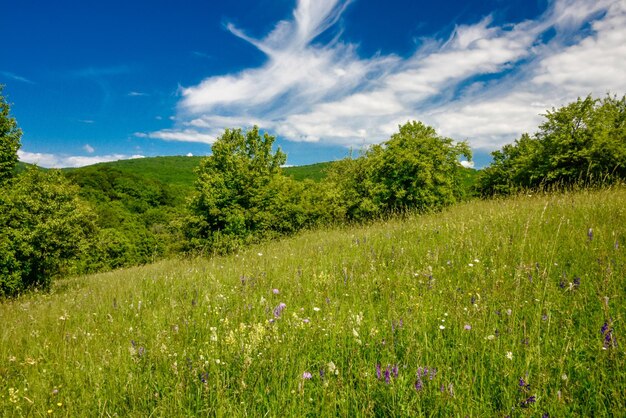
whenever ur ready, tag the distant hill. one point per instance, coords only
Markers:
(178, 171)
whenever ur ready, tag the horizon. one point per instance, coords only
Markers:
(107, 82)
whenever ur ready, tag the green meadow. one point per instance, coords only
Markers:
(504, 307)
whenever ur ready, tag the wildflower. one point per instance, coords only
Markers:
(590, 234)
(490, 337)
(544, 317)
(545, 415)
(387, 375)
(279, 309)
(306, 375)
(509, 355)
(609, 338)
(275, 291)
(576, 281)
(316, 309)
(564, 377)
(378, 373)
(306, 320)
(526, 403)
(467, 327)
(418, 384)
(394, 370)
(442, 327)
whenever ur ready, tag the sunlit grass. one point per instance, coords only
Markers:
(482, 295)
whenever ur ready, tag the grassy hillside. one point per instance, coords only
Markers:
(491, 308)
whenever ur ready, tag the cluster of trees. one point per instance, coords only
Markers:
(583, 143)
(95, 218)
(242, 196)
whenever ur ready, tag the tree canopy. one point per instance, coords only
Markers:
(582, 142)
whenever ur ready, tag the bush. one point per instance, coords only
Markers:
(45, 226)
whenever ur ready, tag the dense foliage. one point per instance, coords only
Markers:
(583, 142)
(136, 216)
(44, 227)
(415, 170)
(242, 195)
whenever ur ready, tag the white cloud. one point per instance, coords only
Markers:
(60, 161)
(486, 83)
(137, 94)
(89, 149)
(186, 135)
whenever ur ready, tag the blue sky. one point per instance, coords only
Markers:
(93, 81)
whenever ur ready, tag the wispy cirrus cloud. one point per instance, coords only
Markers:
(485, 82)
(12, 76)
(48, 160)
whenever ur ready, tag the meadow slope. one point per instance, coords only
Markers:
(490, 308)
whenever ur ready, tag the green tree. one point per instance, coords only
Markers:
(44, 227)
(583, 142)
(416, 169)
(234, 191)
(10, 136)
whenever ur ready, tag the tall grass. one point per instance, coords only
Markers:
(491, 308)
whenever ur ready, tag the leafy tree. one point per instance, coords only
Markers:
(44, 225)
(582, 142)
(234, 191)
(10, 136)
(416, 169)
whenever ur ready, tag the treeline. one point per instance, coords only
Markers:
(583, 143)
(242, 196)
(100, 218)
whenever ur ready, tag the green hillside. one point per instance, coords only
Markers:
(489, 308)
(178, 171)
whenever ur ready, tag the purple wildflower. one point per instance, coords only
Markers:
(387, 375)
(204, 377)
(576, 281)
(275, 291)
(141, 351)
(605, 327)
(433, 373)
(279, 309)
(545, 415)
(527, 402)
(590, 234)
(307, 375)
(467, 327)
(322, 372)
(616, 245)
(394, 370)
(378, 374)
(544, 317)
(418, 384)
